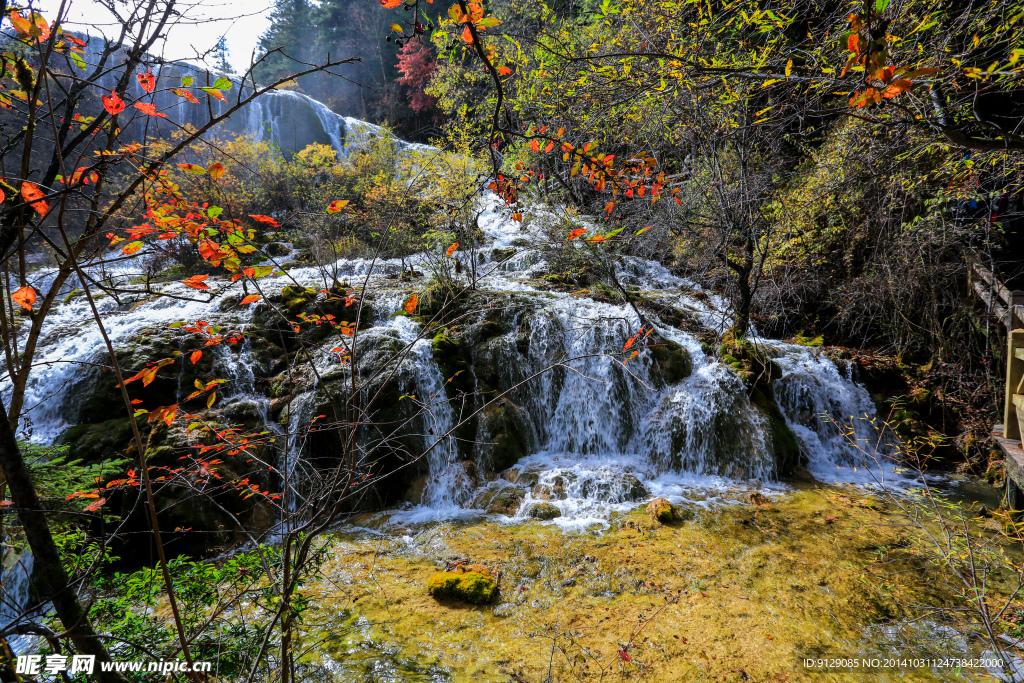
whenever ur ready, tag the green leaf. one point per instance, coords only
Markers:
(187, 81)
(77, 59)
(222, 84)
(880, 5)
(214, 211)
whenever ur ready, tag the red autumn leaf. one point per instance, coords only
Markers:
(504, 71)
(550, 146)
(251, 299)
(113, 104)
(410, 305)
(535, 145)
(33, 195)
(25, 297)
(148, 109)
(147, 81)
(3, 197)
(576, 234)
(195, 356)
(451, 250)
(624, 656)
(337, 205)
(95, 505)
(467, 35)
(196, 282)
(264, 219)
(390, 4)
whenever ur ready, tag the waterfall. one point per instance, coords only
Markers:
(589, 431)
(14, 595)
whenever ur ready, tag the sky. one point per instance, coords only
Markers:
(240, 21)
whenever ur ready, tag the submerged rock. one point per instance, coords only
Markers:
(544, 511)
(471, 586)
(506, 501)
(660, 510)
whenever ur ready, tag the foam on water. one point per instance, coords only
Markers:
(591, 418)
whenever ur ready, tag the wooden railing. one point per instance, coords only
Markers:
(1008, 307)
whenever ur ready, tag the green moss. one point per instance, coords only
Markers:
(662, 511)
(544, 511)
(782, 441)
(673, 360)
(295, 298)
(94, 442)
(469, 586)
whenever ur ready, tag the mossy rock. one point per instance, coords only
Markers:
(506, 436)
(95, 442)
(453, 358)
(505, 501)
(294, 298)
(544, 511)
(663, 512)
(781, 440)
(473, 587)
(673, 360)
(277, 249)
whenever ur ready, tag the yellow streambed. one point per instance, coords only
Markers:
(740, 592)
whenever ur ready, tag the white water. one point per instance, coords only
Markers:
(591, 417)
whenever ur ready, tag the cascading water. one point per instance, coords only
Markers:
(593, 432)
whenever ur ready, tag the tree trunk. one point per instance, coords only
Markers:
(50, 573)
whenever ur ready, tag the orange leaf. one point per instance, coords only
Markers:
(504, 71)
(25, 297)
(596, 239)
(195, 356)
(535, 145)
(390, 4)
(187, 94)
(550, 146)
(95, 505)
(33, 195)
(895, 88)
(147, 81)
(216, 170)
(196, 282)
(337, 205)
(148, 109)
(264, 219)
(467, 35)
(451, 250)
(251, 299)
(113, 104)
(131, 248)
(576, 234)
(410, 305)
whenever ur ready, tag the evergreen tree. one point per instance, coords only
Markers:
(221, 53)
(294, 32)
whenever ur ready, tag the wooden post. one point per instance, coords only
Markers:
(1014, 373)
(1013, 317)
